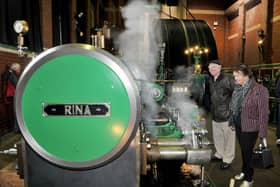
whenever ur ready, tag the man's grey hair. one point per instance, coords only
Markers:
(15, 66)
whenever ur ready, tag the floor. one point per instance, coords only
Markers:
(8, 166)
(216, 176)
(262, 177)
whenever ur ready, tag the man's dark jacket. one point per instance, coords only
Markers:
(221, 91)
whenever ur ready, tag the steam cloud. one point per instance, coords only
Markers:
(139, 46)
(189, 111)
(138, 43)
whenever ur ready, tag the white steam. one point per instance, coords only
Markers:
(138, 42)
(188, 109)
(139, 46)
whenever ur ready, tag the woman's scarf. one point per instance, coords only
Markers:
(238, 95)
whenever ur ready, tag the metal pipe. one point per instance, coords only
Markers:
(173, 154)
(143, 157)
(202, 176)
(166, 153)
(159, 120)
(170, 142)
(11, 151)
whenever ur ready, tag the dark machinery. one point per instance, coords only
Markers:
(80, 112)
(180, 36)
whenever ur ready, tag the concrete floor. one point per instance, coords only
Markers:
(262, 177)
(217, 177)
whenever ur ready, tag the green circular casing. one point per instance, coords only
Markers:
(75, 75)
(158, 93)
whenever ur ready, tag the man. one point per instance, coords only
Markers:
(221, 88)
(9, 82)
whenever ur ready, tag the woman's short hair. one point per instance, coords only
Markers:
(245, 69)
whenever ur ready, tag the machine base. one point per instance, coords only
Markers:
(120, 172)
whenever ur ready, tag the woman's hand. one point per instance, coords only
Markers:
(264, 142)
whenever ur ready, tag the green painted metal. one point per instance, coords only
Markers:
(62, 80)
(160, 93)
(168, 130)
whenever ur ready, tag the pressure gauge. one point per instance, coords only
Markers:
(21, 26)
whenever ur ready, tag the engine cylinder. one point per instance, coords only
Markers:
(77, 106)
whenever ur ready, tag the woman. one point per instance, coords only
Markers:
(277, 94)
(249, 116)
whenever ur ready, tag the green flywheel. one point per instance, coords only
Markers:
(77, 106)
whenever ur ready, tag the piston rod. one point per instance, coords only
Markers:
(170, 142)
(191, 156)
(167, 153)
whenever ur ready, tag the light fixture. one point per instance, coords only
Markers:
(215, 24)
(261, 42)
(196, 52)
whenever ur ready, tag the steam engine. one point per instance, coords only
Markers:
(83, 118)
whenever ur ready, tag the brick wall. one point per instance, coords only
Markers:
(275, 56)
(233, 40)
(206, 5)
(256, 18)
